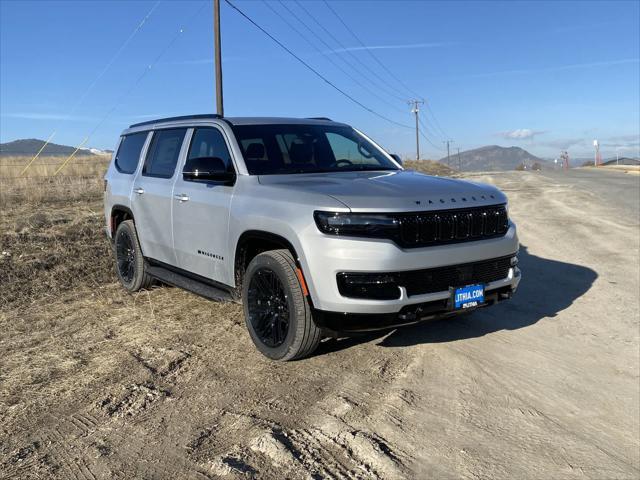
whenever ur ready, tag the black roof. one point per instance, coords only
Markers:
(202, 116)
(236, 120)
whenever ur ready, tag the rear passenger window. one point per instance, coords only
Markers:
(209, 142)
(163, 153)
(129, 152)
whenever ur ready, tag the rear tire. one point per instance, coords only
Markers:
(130, 266)
(276, 312)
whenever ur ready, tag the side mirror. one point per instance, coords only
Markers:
(207, 169)
(397, 158)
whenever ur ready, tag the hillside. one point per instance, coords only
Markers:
(430, 168)
(31, 146)
(492, 157)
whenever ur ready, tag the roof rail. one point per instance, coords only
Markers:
(202, 116)
(320, 118)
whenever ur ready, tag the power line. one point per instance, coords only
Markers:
(309, 67)
(290, 25)
(100, 75)
(391, 92)
(437, 147)
(379, 62)
(430, 132)
(116, 56)
(132, 87)
(369, 51)
(435, 122)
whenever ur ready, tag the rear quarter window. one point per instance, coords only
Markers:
(129, 151)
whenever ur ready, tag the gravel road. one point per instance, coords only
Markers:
(98, 384)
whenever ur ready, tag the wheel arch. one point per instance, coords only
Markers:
(252, 243)
(119, 213)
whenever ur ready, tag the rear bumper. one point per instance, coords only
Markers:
(431, 307)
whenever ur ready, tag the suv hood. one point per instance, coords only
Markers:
(395, 191)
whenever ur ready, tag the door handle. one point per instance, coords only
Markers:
(138, 190)
(182, 197)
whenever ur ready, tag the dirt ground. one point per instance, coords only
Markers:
(96, 384)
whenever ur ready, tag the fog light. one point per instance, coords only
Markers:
(368, 285)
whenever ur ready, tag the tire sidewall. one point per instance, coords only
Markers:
(127, 228)
(281, 351)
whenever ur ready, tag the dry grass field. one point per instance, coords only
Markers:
(39, 181)
(99, 384)
(431, 167)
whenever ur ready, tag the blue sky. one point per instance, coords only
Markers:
(541, 75)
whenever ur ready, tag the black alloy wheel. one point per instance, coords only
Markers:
(130, 264)
(277, 311)
(125, 256)
(268, 307)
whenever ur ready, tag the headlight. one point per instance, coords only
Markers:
(358, 224)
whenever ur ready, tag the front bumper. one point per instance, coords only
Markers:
(432, 307)
(324, 256)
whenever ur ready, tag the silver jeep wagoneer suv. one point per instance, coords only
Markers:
(312, 224)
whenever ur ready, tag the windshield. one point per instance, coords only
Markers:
(286, 149)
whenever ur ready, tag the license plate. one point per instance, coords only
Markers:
(468, 297)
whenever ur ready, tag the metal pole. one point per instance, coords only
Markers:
(218, 57)
(417, 136)
(459, 163)
(415, 110)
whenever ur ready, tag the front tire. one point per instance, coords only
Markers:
(130, 266)
(276, 312)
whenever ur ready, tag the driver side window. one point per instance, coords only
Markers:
(209, 142)
(346, 149)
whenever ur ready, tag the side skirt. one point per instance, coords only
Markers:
(193, 283)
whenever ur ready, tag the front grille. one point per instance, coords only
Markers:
(419, 282)
(450, 226)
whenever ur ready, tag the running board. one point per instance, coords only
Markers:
(191, 284)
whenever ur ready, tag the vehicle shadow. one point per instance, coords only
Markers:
(547, 288)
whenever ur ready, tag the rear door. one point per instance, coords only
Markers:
(121, 173)
(151, 200)
(201, 213)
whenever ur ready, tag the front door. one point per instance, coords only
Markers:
(201, 213)
(152, 196)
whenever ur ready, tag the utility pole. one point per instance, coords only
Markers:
(459, 163)
(218, 57)
(415, 110)
(448, 156)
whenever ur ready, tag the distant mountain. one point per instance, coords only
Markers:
(584, 161)
(622, 161)
(493, 157)
(31, 146)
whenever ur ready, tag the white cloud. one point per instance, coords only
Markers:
(47, 116)
(520, 134)
(390, 47)
(557, 68)
(635, 137)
